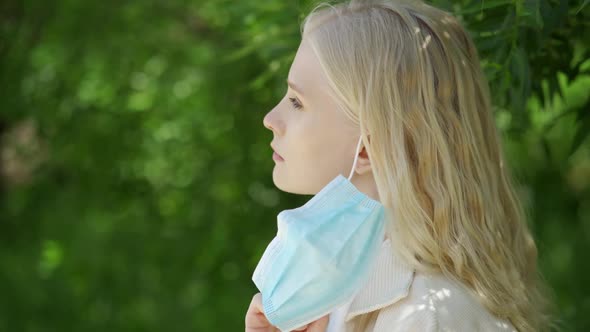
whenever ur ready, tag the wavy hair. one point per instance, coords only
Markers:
(409, 75)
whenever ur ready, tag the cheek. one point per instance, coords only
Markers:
(309, 140)
(319, 142)
(323, 152)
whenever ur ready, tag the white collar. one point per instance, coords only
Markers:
(388, 283)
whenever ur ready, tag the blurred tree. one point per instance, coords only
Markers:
(135, 171)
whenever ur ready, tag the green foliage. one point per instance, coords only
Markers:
(136, 192)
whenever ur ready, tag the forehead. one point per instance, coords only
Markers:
(307, 73)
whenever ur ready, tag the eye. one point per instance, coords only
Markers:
(295, 103)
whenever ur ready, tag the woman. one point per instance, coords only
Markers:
(405, 77)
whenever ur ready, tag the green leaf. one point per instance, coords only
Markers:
(583, 132)
(520, 84)
(482, 5)
(582, 6)
(532, 13)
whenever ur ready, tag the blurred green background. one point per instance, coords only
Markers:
(136, 191)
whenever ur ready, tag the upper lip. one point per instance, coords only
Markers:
(275, 150)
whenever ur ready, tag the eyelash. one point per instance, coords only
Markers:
(295, 103)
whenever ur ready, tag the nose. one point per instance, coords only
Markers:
(271, 121)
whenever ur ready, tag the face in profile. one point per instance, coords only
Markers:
(316, 141)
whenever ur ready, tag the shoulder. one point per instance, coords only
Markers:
(436, 303)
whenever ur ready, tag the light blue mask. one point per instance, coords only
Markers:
(322, 254)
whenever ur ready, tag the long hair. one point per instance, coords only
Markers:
(409, 75)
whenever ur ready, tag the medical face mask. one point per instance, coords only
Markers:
(321, 255)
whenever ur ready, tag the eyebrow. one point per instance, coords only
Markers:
(294, 87)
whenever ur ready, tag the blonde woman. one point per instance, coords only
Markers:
(394, 88)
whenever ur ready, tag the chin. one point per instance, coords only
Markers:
(280, 181)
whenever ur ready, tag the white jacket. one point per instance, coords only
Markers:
(408, 301)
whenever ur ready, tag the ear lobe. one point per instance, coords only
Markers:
(363, 163)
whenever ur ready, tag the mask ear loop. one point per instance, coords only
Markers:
(356, 155)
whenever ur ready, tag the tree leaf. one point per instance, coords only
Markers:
(483, 4)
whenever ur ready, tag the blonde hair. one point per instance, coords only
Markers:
(409, 75)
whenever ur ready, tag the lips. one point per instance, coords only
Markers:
(275, 151)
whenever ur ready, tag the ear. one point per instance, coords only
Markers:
(363, 164)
